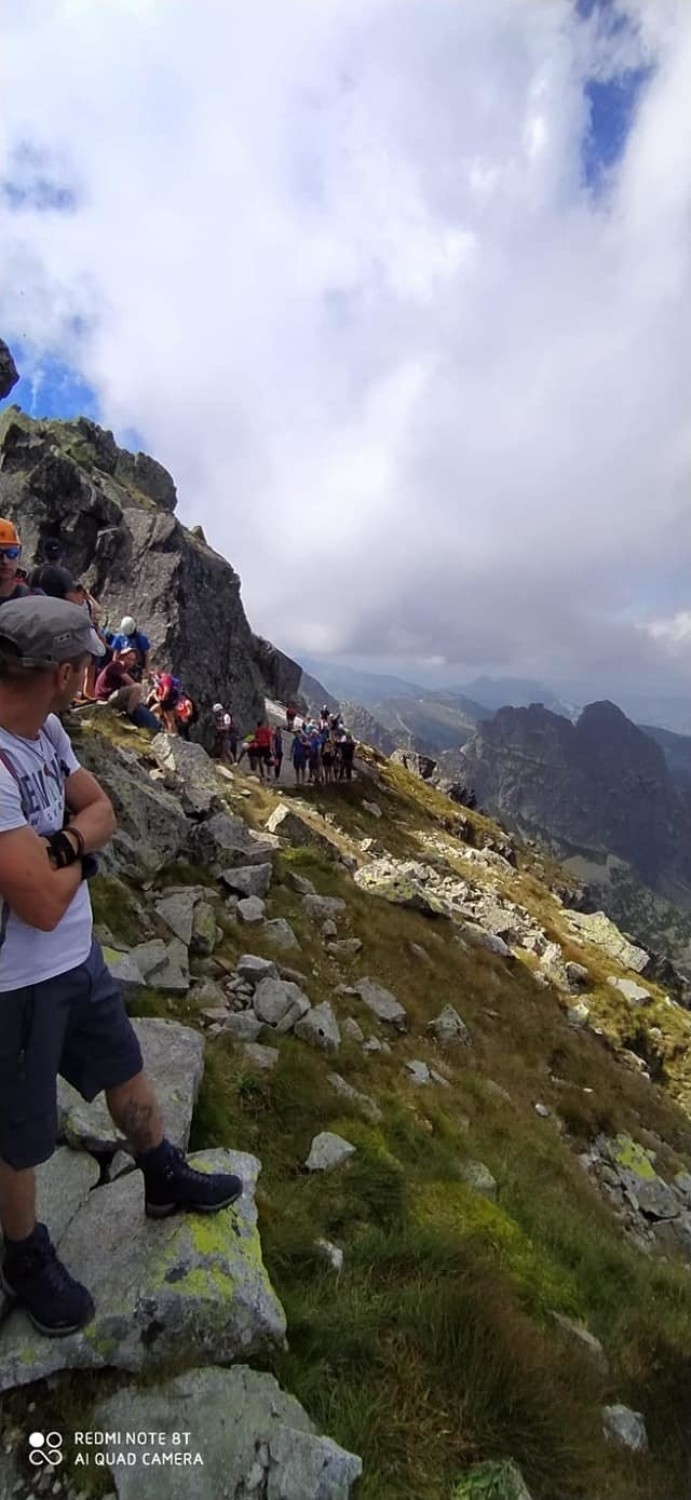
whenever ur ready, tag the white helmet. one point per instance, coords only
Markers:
(128, 626)
(218, 708)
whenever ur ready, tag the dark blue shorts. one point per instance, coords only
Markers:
(75, 1025)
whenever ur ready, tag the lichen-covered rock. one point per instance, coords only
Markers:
(173, 1059)
(203, 929)
(251, 909)
(191, 1285)
(254, 1440)
(327, 1151)
(402, 883)
(382, 1003)
(595, 927)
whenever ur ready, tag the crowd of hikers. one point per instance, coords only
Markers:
(321, 750)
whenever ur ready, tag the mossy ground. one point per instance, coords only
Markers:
(436, 1349)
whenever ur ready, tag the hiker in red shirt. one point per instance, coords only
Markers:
(114, 684)
(263, 736)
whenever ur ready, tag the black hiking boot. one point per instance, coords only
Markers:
(36, 1280)
(170, 1183)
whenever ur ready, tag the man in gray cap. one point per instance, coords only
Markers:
(60, 1010)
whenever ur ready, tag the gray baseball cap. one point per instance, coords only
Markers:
(42, 632)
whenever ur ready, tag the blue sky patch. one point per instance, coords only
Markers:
(52, 389)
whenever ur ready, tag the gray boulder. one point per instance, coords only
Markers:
(419, 1071)
(319, 1027)
(634, 993)
(382, 1003)
(185, 1287)
(223, 840)
(124, 968)
(595, 927)
(279, 1003)
(345, 947)
(327, 1151)
(163, 966)
(254, 1440)
(449, 1028)
(194, 770)
(323, 908)
(253, 968)
(280, 934)
(177, 911)
(243, 1027)
(626, 1428)
(248, 880)
(174, 1061)
(152, 828)
(583, 1337)
(289, 825)
(251, 909)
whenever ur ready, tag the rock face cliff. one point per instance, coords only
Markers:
(599, 785)
(114, 513)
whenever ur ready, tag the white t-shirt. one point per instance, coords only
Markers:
(35, 795)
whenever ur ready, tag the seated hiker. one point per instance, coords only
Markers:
(186, 713)
(116, 685)
(61, 1012)
(277, 752)
(163, 700)
(262, 740)
(129, 638)
(11, 587)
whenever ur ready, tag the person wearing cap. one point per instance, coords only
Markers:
(129, 638)
(11, 587)
(61, 1012)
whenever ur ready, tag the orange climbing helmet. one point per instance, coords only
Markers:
(8, 534)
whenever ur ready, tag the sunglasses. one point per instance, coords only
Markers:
(12, 553)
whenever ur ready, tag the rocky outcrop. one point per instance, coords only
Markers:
(113, 511)
(600, 784)
(419, 765)
(9, 374)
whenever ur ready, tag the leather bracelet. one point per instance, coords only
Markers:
(62, 852)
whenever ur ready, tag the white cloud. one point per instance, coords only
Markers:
(338, 265)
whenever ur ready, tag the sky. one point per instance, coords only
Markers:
(399, 291)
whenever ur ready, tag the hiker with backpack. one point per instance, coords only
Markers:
(226, 734)
(61, 1011)
(163, 700)
(129, 638)
(186, 712)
